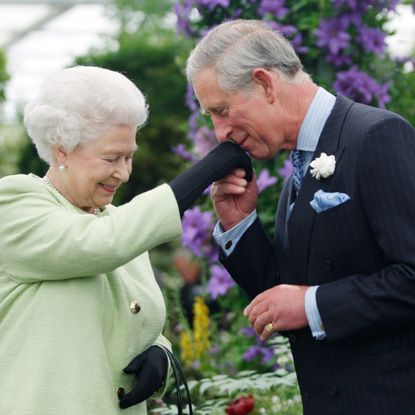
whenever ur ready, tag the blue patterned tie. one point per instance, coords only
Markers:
(297, 160)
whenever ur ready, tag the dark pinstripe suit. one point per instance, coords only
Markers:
(362, 254)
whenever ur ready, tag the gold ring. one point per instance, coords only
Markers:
(269, 328)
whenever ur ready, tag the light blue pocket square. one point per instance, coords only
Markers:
(323, 201)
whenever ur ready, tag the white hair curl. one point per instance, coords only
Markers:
(78, 104)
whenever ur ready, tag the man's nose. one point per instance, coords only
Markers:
(222, 129)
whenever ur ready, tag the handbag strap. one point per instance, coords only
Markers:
(179, 375)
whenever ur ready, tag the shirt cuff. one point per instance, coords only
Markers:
(229, 239)
(313, 315)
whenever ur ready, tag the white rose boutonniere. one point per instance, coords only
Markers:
(323, 166)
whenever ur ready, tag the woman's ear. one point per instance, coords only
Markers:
(61, 154)
(265, 79)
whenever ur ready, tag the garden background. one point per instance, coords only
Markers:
(342, 45)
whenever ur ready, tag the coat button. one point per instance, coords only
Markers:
(334, 391)
(228, 244)
(328, 265)
(306, 396)
(292, 338)
(135, 307)
(277, 274)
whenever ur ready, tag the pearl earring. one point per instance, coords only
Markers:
(62, 167)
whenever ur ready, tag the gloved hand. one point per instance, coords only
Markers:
(150, 367)
(217, 164)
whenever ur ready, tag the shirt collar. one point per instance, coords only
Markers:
(316, 116)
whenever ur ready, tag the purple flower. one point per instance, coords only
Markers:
(181, 151)
(190, 99)
(298, 44)
(211, 4)
(359, 86)
(220, 281)
(204, 140)
(373, 40)
(339, 60)
(264, 180)
(267, 355)
(350, 4)
(193, 125)
(197, 231)
(182, 11)
(332, 35)
(252, 353)
(387, 5)
(274, 7)
(255, 351)
(286, 170)
(248, 331)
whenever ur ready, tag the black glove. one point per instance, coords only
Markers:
(150, 367)
(217, 164)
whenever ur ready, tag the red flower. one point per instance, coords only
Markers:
(241, 406)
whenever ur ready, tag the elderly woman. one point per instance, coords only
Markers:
(78, 297)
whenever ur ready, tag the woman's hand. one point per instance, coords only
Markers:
(216, 165)
(150, 368)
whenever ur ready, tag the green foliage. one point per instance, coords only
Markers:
(12, 140)
(4, 77)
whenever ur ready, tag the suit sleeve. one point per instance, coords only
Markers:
(364, 305)
(252, 263)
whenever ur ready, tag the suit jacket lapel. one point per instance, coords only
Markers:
(302, 217)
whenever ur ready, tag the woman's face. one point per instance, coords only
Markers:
(94, 171)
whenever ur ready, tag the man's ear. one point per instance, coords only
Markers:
(265, 79)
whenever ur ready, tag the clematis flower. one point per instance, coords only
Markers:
(287, 169)
(332, 35)
(211, 4)
(220, 282)
(371, 39)
(264, 180)
(359, 86)
(197, 230)
(274, 7)
(181, 151)
(204, 140)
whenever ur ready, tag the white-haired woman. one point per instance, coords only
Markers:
(78, 298)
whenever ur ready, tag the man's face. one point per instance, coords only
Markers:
(251, 119)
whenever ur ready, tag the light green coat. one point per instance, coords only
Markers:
(67, 279)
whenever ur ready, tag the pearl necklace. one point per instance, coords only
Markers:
(47, 181)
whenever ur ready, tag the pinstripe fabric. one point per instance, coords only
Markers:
(362, 254)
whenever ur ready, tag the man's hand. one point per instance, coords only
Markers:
(282, 306)
(234, 198)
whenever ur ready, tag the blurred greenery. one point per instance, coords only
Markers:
(4, 77)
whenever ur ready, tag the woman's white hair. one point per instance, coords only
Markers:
(233, 49)
(78, 104)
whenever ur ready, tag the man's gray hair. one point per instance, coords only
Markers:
(233, 49)
(78, 104)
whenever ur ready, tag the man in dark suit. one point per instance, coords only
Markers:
(339, 277)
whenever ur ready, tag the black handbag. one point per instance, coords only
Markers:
(179, 376)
